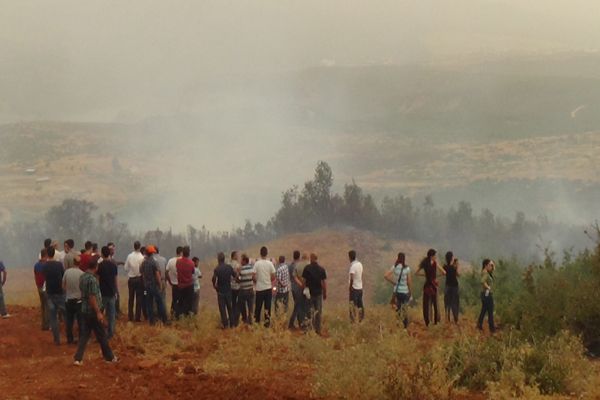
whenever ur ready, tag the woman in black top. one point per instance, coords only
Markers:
(451, 298)
(429, 268)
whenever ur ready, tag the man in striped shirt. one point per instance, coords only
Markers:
(283, 286)
(246, 279)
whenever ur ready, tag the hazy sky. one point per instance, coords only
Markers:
(96, 59)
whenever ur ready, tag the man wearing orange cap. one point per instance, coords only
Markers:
(152, 286)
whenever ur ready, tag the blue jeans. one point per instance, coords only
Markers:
(56, 304)
(109, 304)
(154, 295)
(2, 305)
(487, 307)
(402, 300)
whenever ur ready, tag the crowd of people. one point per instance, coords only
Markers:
(81, 287)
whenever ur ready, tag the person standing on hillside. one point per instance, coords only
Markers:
(185, 282)
(71, 258)
(58, 255)
(107, 277)
(295, 273)
(161, 263)
(197, 276)
(429, 268)
(70, 284)
(265, 279)
(283, 286)
(235, 288)
(86, 256)
(152, 286)
(136, 288)
(92, 317)
(315, 277)
(40, 280)
(246, 279)
(356, 288)
(451, 294)
(487, 299)
(3, 313)
(53, 274)
(221, 281)
(172, 279)
(113, 250)
(399, 276)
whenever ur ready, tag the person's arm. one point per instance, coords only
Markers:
(351, 281)
(214, 281)
(442, 271)
(409, 282)
(94, 305)
(157, 277)
(457, 272)
(254, 277)
(324, 286)
(4, 274)
(420, 271)
(64, 282)
(388, 276)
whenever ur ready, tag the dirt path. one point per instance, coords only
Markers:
(32, 367)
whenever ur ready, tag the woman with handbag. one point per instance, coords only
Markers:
(399, 276)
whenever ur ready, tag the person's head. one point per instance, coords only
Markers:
(157, 250)
(245, 259)
(313, 258)
(92, 265)
(179, 251)
(50, 251)
(105, 252)
(137, 245)
(264, 252)
(296, 255)
(150, 250)
(352, 255)
(234, 256)
(196, 261)
(143, 250)
(449, 258)
(55, 244)
(47, 243)
(95, 248)
(401, 259)
(186, 251)
(221, 257)
(487, 265)
(69, 245)
(281, 259)
(111, 246)
(88, 246)
(305, 257)
(43, 254)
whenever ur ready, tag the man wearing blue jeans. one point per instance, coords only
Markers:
(221, 280)
(153, 286)
(53, 272)
(73, 305)
(107, 277)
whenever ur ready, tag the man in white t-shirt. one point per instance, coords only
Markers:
(356, 288)
(134, 284)
(265, 280)
(171, 275)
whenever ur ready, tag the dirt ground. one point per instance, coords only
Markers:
(32, 367)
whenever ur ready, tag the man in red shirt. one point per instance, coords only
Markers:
(185, 282)
(86, 256)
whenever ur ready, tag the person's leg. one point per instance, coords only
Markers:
(100, 333)
(250, 302)
(161, 308)
(223, 310)
(491, 313)
(131, 299)
(455, 304)
(318, 308)
(294, 315)
(482, 313)
(360, 305)
(242, 305)
(43, 309)
(229, 308)
(196, 302)
(436, 309)
(109, 309)
(2, 304)
(352, 305)
(259, 304)
(69, 321)
(235, 310)
(53, 314)
(151, 307)
(426, 306)
(84, 336)
(268, 304)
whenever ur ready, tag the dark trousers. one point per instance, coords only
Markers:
(299, 310)
(451, 302)
(316, 311)
(154, 301)
(56, 307)
(136, 295)
(356, 303)
(402, 300)
(44, 309)
(487, 307)
(72, 314)
(90, 323)
(430, 301)
(186, 300)
(225, 309)
(263, 297)
(235, 310)
(246, 305)
(174, 301)
(282, 298)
